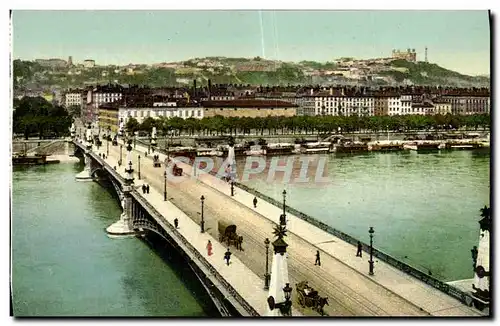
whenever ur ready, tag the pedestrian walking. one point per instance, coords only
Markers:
(227, 256)
(176, 223)
(318, 261)
(254, 202)
(360, 247)
(209, 248)
(147, 189)
(143, 188)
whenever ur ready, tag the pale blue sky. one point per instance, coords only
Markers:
(457, 40)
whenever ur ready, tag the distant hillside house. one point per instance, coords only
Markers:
(52, 63)
(409, 55)
(89, 63)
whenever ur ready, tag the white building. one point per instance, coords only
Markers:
(73, 97)
(394, 105)
(89, 63)
(405, 107)
(336, 103)
(168, 110)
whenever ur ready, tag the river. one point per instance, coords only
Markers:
(63, 263)
(424, 207)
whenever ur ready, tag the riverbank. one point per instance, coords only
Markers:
(62, 159)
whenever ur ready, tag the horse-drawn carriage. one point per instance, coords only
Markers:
(227, 234)
(156, 161)
(177, 171)
(308, 297)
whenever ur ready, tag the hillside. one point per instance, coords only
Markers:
(424, 73)
(255, 71)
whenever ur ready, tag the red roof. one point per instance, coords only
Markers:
(247, 104)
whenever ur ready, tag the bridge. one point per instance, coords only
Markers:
(395, 289)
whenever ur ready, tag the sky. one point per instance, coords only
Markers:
(457, 40)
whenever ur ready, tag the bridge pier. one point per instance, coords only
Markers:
(123, 227)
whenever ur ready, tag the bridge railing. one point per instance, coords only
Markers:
(199, 256)
(418, 274)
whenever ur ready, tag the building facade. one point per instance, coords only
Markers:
(73, 97)
(408, 55)
(249, 108)
(89, 63)
(441, 107)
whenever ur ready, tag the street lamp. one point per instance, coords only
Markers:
(139, 166)
(120, 161)
(107, 144)
(266, 275)
(165, 186)
(202, 224)
(284, 307)
(370, 262)
(283, 216)
(232, 188)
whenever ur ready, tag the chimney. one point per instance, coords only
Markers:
(312, 91)
(331, 91)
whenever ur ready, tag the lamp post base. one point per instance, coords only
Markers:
(202, 225)
(371, 267)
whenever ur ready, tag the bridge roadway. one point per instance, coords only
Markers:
(342, 276)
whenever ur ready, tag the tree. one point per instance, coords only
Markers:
(34, 115)
(132, 125)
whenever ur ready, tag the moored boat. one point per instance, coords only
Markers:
(316, 148)
(378, 147)
(423, 146)
(350, 147)
(29, 160)
(279, 149)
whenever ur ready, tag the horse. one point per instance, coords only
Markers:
(320, 303)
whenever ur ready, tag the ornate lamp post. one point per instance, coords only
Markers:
(139, 167)
(370, 262)
(202, 224)
(129, 158)
(283, 216)
(232, 188)
(121, 149)
(266, 275)
(107, 144)
(165, 186)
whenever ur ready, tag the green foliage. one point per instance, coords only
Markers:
(321, 124)
(132, 125)
(36, 116)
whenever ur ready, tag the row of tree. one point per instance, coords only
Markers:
(309, 124)
(34, 116)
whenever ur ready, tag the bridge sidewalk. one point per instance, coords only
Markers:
(422, 295)
(244, 281)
